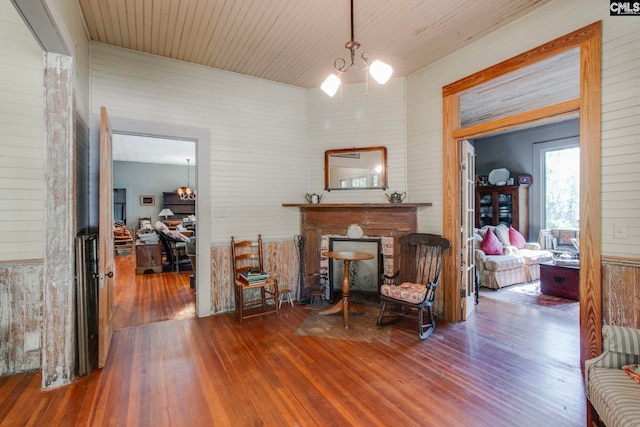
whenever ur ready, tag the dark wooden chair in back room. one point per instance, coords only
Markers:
(412, 288)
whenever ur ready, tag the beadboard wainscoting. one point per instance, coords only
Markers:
(621, 291)
(21, 313)
(280, 259)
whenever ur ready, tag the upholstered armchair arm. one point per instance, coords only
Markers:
(510, 250)
(534, 246)
(481, 257)
(621, 346)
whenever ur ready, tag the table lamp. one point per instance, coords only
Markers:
(165, 213)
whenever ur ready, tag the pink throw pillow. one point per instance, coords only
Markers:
(633, 371)
(490, 244)
(516, 238)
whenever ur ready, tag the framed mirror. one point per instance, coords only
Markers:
(355, 168)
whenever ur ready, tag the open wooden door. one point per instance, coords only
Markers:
(105, 246)
(467, 220)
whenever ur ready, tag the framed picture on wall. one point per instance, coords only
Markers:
(524, 179)
(147, 200)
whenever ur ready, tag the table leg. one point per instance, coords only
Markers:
(345, 311)
(344, 305)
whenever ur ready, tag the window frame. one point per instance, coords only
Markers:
(538, 176)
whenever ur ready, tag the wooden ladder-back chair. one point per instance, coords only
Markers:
(247, 256)
(122, 239)
(414, 284)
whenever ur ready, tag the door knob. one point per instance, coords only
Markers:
(97, 276)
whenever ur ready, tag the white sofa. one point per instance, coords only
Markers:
(513, 266)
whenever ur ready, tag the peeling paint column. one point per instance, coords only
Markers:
(59, 215)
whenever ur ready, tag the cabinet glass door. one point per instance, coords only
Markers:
(505, 208)
(486, 210)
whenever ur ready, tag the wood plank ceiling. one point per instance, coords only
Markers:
(296, 41)
(551, 81)
(148, 149)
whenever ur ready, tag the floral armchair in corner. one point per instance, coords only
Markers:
(565, 240)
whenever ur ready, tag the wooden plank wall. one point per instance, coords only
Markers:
(280, 258)
(20, 316)
(620, 135)
(258, 150)
(359, 120)
(621, 291)
(24, 248)
(58, 329)
(21, 140)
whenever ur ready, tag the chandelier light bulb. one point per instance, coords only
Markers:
(330, 85)
(380, 71)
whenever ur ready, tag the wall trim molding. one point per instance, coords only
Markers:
(621, 261)
(21, 262)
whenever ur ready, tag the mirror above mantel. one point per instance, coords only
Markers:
(363, 168)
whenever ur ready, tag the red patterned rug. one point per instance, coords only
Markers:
(529, 294)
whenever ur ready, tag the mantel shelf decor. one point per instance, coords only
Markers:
(357, 205)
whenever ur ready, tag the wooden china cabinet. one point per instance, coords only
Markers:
(180, 208)
(503, 204)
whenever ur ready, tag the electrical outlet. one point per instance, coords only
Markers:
(219, 212)
(620, 230)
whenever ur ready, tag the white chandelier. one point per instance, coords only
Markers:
(187, 193)
(380, 71)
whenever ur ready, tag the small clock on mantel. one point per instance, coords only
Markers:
(354, 231)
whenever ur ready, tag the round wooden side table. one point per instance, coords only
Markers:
(344, 305)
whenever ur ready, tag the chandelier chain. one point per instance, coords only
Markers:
(380, 71)
(352, 45)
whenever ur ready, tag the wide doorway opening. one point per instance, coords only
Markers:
(156, 177)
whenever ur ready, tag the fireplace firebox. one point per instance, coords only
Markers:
(364, 276)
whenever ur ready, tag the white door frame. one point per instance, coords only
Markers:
(203, 184)
(467, 220)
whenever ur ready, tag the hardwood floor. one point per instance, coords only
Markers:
(149, 298)
(508, 365)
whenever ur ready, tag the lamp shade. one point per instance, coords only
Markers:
(330, 85)
(165, 213)
(380, 71)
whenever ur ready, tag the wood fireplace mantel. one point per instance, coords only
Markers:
(356, 205)
(375, 219)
